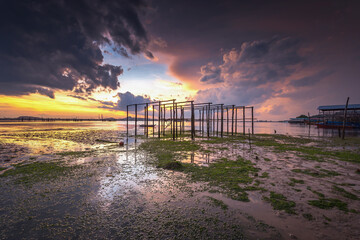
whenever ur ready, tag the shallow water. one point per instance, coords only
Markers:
(259, 128)
(114, 192)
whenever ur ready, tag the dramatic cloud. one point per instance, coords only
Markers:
(255, 63)
(210, 74)
(249, 72)
(129, 98)
(49, 45)
(227, 50)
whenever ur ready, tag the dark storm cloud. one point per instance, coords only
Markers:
(311, 80)
(210, 74)
(129, 98)
(49, 45)
(228, 49)
(256, 63)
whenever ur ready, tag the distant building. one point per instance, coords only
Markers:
(333, 116)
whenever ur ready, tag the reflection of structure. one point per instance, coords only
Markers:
(333, 116)
(204, 118)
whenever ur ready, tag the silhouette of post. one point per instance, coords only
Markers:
(344, 123)
(222, 120)
(159, 120)
(252, 120)
(127, 121)
(236, 110)
(135, 120)
(192, 121)
(244, 120)
(232, 121)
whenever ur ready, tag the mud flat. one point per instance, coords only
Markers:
(81, 184)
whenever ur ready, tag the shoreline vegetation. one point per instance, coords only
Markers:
(312, 181)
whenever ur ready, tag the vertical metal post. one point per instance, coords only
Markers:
(192, 121)
(213, 119)
(159, 120)
(227, 120)
(176, 120)
(208, 120)
(244, 120)
(173, 122)
(127, 121)
(199, 120)
(252, 120)
(236, 110)
(202, 121)
(147, 119)
(222, 120)
(135, 120)
(164, 126)
(217, 121)
(153, 120)
(232, 121)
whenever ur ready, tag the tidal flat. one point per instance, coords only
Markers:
(79, 183)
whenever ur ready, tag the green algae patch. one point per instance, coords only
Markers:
(293, 181)
(329, 203)
(308, 216)
(167, 153)
(264, 175)
(228, 139)
(226, 174)
(345, 193)
(74, 154)
(280, 202)
(218, 203)
(154, 146)
(29, 174)
(282, 143)
(173, 165)
(319, 174)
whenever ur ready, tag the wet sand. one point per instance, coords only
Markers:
(106, 191)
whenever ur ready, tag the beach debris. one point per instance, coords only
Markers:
(121, 143)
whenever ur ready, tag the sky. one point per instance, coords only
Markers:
(86, 58)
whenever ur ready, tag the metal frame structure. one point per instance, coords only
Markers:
(172, 116)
